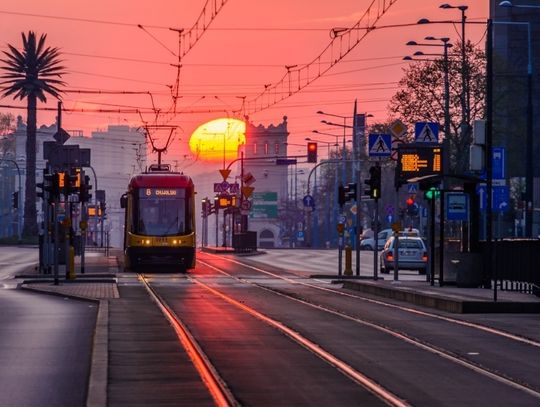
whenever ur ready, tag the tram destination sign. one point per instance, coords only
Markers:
(416, 160)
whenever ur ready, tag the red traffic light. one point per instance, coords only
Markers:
(409, 201)
(311, 152)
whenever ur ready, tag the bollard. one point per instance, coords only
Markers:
(71, 273)
(348, 261)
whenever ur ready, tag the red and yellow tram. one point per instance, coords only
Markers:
(159, 220)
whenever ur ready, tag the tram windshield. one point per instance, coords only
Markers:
(161, 212)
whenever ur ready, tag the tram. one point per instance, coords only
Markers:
(159, 220)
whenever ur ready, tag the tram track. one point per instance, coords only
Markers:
(211, 378)
(218, 387)
(490, 373)
(415, 311)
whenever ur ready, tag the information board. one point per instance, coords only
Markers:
(418, 161)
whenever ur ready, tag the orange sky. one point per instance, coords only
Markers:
(108, 52)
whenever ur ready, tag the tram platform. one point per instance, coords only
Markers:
(99, 282)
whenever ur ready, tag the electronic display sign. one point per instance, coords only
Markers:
(418, 161)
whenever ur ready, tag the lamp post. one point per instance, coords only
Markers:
(510, 4)
(465, 101)
(445, 44)
(529, 170)
(344, 126)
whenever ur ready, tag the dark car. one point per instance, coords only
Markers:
(412, 254)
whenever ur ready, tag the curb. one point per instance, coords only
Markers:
(444, 303)
(98, 377)
(97, 382)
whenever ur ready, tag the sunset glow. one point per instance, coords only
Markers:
(218, 140)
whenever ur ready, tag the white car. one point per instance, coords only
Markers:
(384, 235)
(412, 254)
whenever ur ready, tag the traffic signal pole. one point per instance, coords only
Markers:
(358, 220)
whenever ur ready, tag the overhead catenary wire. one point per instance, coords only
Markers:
(296, 78)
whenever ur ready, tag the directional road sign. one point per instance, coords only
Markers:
(380, 145)
(308, 201)
(501, 197)
(498, 162)
(426, 132)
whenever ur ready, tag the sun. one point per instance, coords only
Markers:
(218, 139)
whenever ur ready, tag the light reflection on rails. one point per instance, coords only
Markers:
(433, 349)
(211, 375)
(216, 386)
(474, 325)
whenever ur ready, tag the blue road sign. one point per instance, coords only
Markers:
(498, 162)
(457, 206)
(308, 201)
(501, 197)
(380, 145)
(426, 132)
(412, 188)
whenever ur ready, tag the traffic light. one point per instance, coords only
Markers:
(432, 193)
(311, 152)
(50, 184)
(346, 193)
(15, 196)
(412, 207)
(85, 195)
(374, 182)
(103, 207)
(69, 183)
(341, 195)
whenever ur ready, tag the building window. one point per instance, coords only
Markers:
(254, 148)
(276, 148)
(266, 148)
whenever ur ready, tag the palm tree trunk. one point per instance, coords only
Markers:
(30, 214)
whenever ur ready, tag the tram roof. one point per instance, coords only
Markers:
(160, 180)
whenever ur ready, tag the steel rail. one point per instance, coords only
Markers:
(468, 324)
(211, 378)
(399, 335)
(369, 384)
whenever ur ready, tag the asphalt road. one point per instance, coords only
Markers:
(45, 341)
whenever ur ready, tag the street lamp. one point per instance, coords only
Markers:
(445, 44)
(510, 4)
(344, 125)
(465, 101)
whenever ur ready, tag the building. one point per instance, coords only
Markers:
(271, 211)
(513, 44)
(116, 154)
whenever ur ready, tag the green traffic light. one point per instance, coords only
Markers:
(432, 193)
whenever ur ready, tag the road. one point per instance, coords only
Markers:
(45, 341)
(275, 337)
(269, 335)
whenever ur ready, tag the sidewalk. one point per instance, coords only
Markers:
(98, 281)
(411, 287)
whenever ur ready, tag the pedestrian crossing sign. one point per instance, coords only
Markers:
(426, 132)
(380, 145)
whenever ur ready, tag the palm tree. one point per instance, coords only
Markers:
(31, 73)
